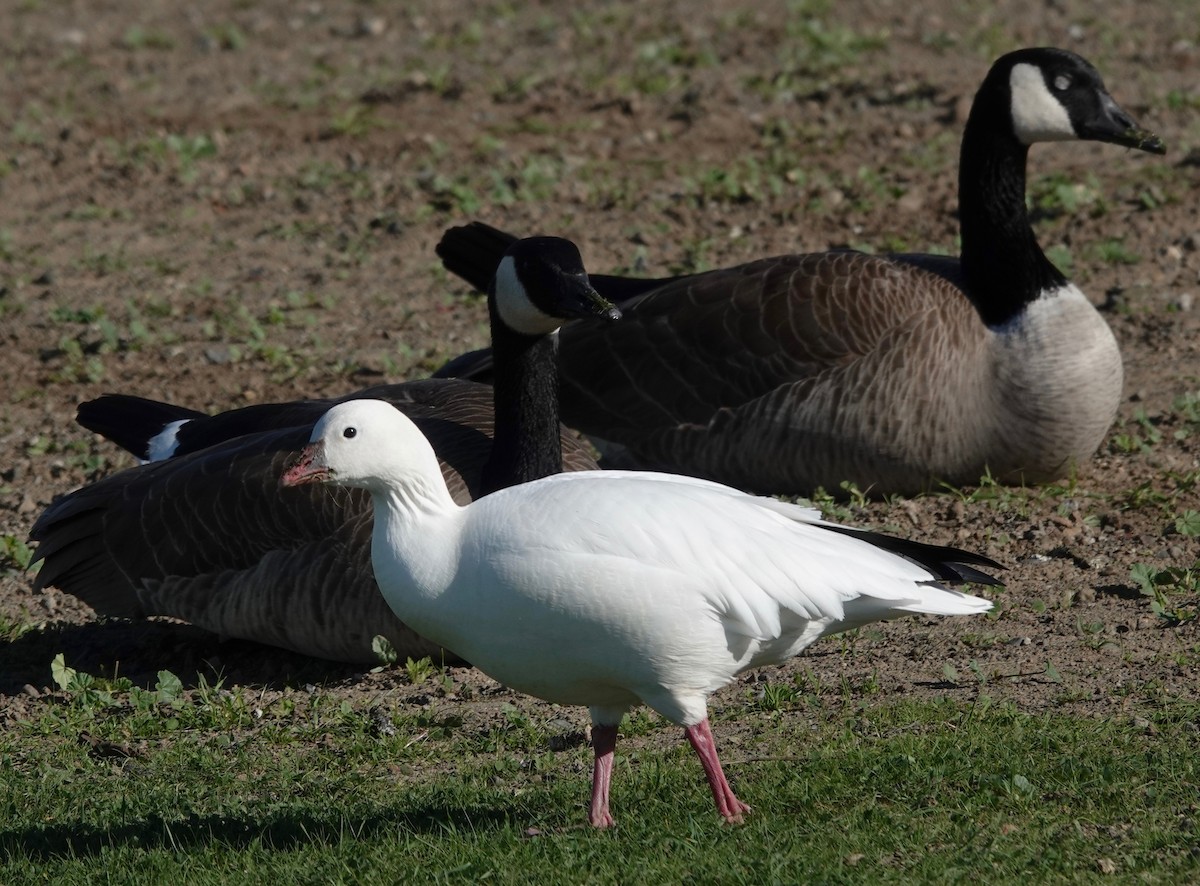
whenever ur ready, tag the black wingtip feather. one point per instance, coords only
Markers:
(946, 563)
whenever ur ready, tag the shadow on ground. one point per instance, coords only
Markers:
(138, 650)
(280, 832)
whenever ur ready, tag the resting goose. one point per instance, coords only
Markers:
(533, 586)
(893, 372)
(209, 536)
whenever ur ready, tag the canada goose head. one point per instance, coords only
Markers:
(367, 444)
(1030, 95)
(1055, 95)
(541, 282)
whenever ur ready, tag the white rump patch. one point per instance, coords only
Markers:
(514, 306)
(1037, 115)
(163, 444)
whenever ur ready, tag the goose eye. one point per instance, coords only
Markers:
(1062, 82)
(350, 432)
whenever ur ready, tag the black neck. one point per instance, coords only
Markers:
(525, 387)
(1003, 267)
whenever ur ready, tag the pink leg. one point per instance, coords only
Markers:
(728, 804)
(604, 741)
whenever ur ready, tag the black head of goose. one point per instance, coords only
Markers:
(207, 535)
(893, 372)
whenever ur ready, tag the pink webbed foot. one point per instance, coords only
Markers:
(728, 804)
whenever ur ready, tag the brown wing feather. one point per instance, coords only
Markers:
(724, 338)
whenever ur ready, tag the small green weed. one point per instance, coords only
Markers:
(1159, 584)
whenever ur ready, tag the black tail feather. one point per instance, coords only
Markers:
(948, 564)
(130, 422)
(473, 252)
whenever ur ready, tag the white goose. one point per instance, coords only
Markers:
(610, 589)
(894, 372)
(208, 536)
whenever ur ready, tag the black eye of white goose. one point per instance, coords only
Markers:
(350, 433)
(1037, 115)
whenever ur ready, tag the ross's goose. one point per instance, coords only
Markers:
(610, 589)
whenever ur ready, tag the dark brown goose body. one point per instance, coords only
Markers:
(802, 389)
(894, 373)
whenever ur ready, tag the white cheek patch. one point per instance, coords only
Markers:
(1037, 115)
(513, 305)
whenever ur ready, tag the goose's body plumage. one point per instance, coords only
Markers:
(206, 534)
(893, 372)
(612, 589)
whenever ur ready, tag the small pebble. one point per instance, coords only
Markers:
(371, 26)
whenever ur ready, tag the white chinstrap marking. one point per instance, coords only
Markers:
(1037, 115)
(517, 311)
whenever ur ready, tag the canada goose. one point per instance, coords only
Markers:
(211, 538)
(893, 372)
(702, 582)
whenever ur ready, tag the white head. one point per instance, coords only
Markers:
(368, 444)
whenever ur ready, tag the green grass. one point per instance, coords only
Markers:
(203, 785)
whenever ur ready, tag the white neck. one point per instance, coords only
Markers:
(414, 550)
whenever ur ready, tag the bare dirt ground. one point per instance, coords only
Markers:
(236, 202)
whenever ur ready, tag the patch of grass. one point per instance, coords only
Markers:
(1142, 434)
(1159, 492)
(1059, 193)
(137, 37)
(1060, 256)
(815, 52)
(178, 152)
(15, 555)
(226, 36)
(161, 781)
(1114, 252)
(355, 121)
(12, 629)
(94, 332)
(1165, 587)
